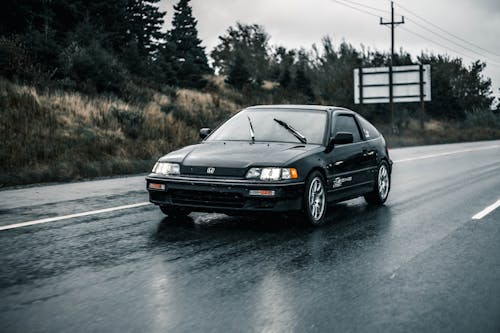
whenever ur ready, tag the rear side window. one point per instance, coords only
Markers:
(346, 123)
(369, 130)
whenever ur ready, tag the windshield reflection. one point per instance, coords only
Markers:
(302, 125)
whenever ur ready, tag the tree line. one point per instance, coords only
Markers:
(97, 46)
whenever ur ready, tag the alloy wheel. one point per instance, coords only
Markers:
(317, 199)
(383, 182)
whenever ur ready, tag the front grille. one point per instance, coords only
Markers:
(207, 198)
(201, 171)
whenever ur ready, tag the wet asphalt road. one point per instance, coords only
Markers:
(420, 263)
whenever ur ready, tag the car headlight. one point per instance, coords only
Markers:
(272, 173)
(165, 168)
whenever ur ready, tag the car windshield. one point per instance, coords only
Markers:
(263, 125)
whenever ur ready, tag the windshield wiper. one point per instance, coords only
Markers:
(292, 130)
(252, 133)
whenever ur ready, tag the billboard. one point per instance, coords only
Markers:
(410, 83)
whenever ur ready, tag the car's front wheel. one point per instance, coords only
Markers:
(174, 212)
(315, 199)
(382, 186)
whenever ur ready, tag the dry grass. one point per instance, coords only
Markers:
(59, 136)
(200, 109)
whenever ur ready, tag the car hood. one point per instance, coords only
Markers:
(239, 155)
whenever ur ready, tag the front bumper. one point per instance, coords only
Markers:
(225, 196)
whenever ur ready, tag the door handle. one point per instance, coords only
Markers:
(332, 164)
(368, 153)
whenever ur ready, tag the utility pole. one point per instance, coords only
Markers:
(392, 23)
(421, 83)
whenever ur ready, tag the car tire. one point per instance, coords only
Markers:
(174, 212)
(382, 186)
(314, 200)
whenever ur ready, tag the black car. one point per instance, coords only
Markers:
(276, 158)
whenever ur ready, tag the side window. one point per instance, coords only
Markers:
(369, 130)
(346, 123)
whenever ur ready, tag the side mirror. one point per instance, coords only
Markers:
(204, 132)
(341, 138)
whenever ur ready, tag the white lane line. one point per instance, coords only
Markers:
(65, 217)
(486, 211)
(444, 154)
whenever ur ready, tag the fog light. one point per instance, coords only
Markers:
(155, 186)
(263, 193)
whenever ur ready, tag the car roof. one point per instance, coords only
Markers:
(299, 107)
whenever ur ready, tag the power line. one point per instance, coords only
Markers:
(366, 6)
(445, 31)
(451, 41)
(355, 8)
(491, 61)
(439, 44)
(422, 26)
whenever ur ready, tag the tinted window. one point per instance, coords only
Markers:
(346, 123)
(309, 123)
(368, 129)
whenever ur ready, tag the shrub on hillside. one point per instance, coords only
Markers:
(56, 135)
(485, 118)
(131, 121)
(16, 62)
(92, 69)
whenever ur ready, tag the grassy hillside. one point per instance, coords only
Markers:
(60, 136)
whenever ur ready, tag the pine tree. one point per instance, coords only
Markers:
(165, 64)
(144, 23)
(191, 60)
(238, 75)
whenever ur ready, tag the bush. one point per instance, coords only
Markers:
(93, 69)
(486, 118)
(16, 62)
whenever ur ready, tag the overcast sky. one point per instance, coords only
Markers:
(300, 23)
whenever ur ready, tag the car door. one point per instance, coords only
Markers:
(370, 135)
(346, 162)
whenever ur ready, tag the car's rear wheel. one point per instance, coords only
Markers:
(174, 212)
(314, 201)
(382, 186)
